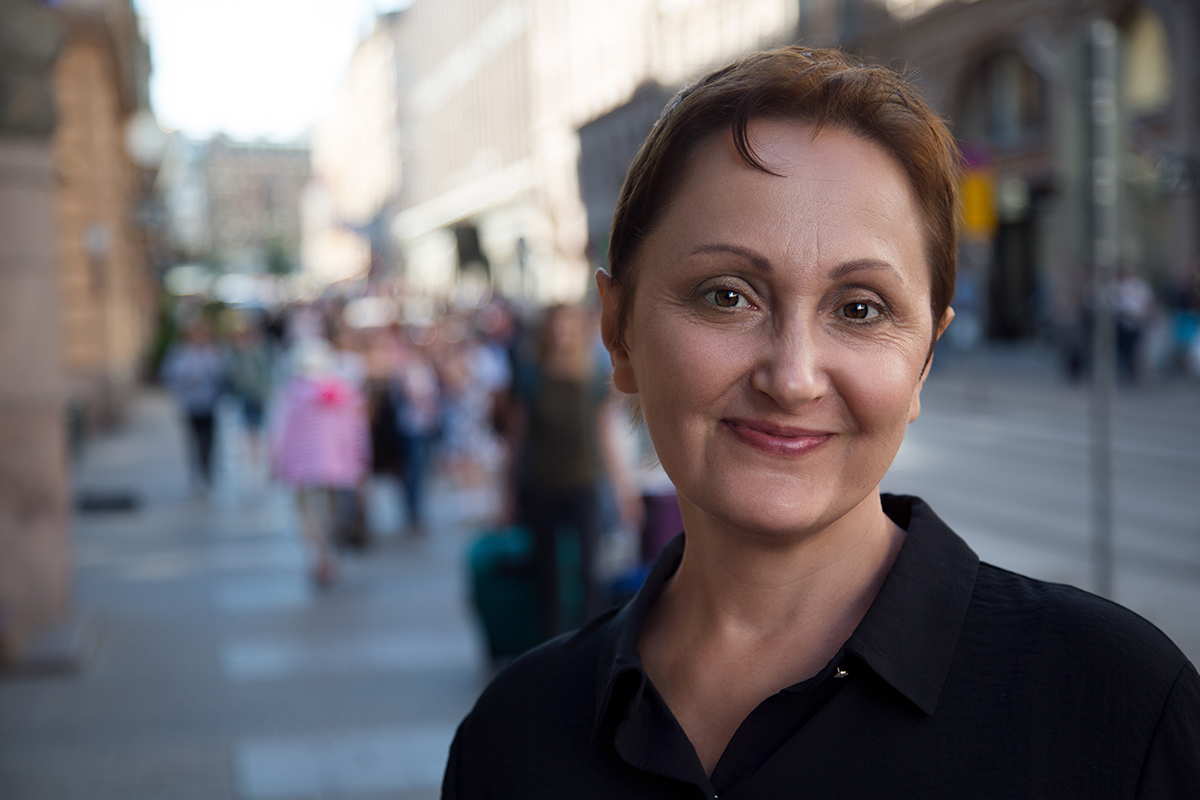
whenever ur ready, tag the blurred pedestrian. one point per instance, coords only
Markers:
(1133, 305)
(561, 443)
(415, 401)
(470, 375)
(383, 354)
(320, 445)
(250, 382)
(195, 370)
(350, 349)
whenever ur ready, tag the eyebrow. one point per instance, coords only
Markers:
(757, 260)
(760, 262)
(862, 265)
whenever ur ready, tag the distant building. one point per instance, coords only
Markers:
(184, 195)
(234, 205)
(1013, 78)
(607, 146)
(356, 176)
(254, 191)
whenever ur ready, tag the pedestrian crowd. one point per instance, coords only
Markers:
(514, 411)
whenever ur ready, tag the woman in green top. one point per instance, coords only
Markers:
(562, 439)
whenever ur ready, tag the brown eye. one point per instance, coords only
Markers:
(727, 298)
(863, 311)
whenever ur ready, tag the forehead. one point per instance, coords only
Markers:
(835, 197)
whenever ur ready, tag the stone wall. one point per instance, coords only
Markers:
(35, 557)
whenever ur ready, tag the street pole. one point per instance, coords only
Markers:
(1105, 183)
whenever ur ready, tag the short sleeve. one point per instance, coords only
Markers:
(1172, 766)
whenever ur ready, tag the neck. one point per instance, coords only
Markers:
(735, 588)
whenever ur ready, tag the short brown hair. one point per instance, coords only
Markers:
(817, 86)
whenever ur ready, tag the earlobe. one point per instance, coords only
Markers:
(915, 409)
(947, 317)
(610, 313)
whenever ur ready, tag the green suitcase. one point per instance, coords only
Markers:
(504, 587)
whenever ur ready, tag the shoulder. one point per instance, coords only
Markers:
(535, 718)
(559, 674)
(1081, 674)
(1097, 636)
(1088, 692)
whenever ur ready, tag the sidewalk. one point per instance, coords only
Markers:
(219, 670)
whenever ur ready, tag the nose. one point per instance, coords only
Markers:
(792, 371)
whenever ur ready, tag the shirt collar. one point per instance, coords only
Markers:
(907, 637)
(621, 654)
(909, 633)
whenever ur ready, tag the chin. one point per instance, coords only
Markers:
(778, 514)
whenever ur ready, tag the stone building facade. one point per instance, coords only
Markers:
(76, 283)
(105, 278)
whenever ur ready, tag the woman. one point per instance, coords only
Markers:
(321, 446)
(781, 266)
(561, 444)
(196, 370)
(250, 382)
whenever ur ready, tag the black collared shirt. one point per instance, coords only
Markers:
(963, 680)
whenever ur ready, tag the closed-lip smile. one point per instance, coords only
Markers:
(773, 438)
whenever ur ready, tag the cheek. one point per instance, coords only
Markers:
(681, 364)
(879, 391)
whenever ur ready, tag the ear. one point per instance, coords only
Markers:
(915, 410)
(610, 312)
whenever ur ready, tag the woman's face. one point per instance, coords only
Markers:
(779, 331)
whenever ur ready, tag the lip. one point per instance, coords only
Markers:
(776, 439)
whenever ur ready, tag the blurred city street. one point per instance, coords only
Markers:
(217, 670)
(285, 331)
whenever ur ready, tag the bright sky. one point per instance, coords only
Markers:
(250, 68)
